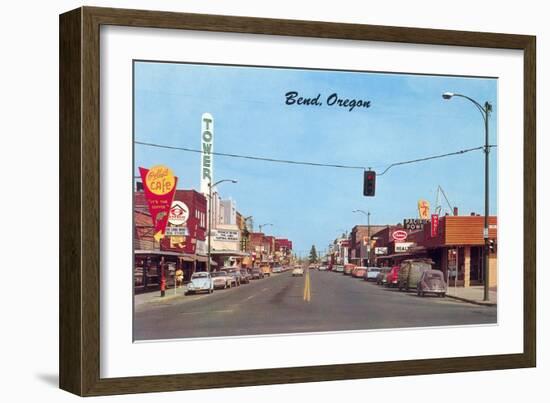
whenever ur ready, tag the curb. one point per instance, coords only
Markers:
(471, 301)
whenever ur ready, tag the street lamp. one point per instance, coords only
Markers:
(368, 235)
(485, 110)
(210, 186)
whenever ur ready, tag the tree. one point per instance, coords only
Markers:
(313, 254)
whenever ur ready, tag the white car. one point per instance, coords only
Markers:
(297, 271)
(323, 268)
(372, 273)
(222, 279)
(339, 269)
(200, 281)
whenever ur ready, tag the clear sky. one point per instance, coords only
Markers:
(407, 119)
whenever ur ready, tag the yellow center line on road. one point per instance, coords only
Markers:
(307, 287)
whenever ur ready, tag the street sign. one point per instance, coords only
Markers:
(399, 235)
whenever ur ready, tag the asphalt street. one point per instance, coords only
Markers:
(276, 305)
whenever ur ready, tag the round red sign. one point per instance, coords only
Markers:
(399, 235)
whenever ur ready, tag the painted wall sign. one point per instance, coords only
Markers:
(207, 148)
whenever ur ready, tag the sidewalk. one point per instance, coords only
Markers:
(154, 296)
(473, 295)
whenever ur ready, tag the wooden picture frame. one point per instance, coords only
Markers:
(79, 346)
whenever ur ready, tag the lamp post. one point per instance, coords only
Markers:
(485, 111)
(368, 235)
(210, 186)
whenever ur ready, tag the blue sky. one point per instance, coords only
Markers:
(408, 119)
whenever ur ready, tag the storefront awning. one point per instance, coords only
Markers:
(204, 259)
(156, 252)
(229, 253)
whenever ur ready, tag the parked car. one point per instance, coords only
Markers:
(236, 274)
(410, 272)
(431, 281)
(382, 276)
(359, 272)
(323, 267)
(256, 273)
(339, 268)
(266, 270)
(246, 276)
(371, 273)
(298, 271)
(348, 267)
(392, 278)
(200, 281)
(277, 269)
(222, 279)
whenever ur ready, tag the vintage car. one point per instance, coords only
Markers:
(392, 278)
(410, 272)
(200, 281)
(431, 281)
(338, 268)
(297, 271)
(358, 272)
(246, 276)
(266, 270)
(277, 269)
(257, 274)
(382, 276)
(348, 267)
(222, 279)
(235, 272)
(371, 273)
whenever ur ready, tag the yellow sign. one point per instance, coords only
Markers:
(424, 209)
(160, 180)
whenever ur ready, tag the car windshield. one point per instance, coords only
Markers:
(219, 274)
(432, 276)
(199, 275)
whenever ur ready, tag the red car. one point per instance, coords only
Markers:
(392, 278)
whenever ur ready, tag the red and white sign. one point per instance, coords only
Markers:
(399, 235)
(179, 213)
(159, 185)
(434, 225)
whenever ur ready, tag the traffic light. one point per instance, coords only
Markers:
(492, 246)
(369, 182)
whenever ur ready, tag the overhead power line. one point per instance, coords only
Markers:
(309, 163)
(433, 157)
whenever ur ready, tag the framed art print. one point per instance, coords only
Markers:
(309, 191)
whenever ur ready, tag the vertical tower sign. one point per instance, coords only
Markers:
(207, 147)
